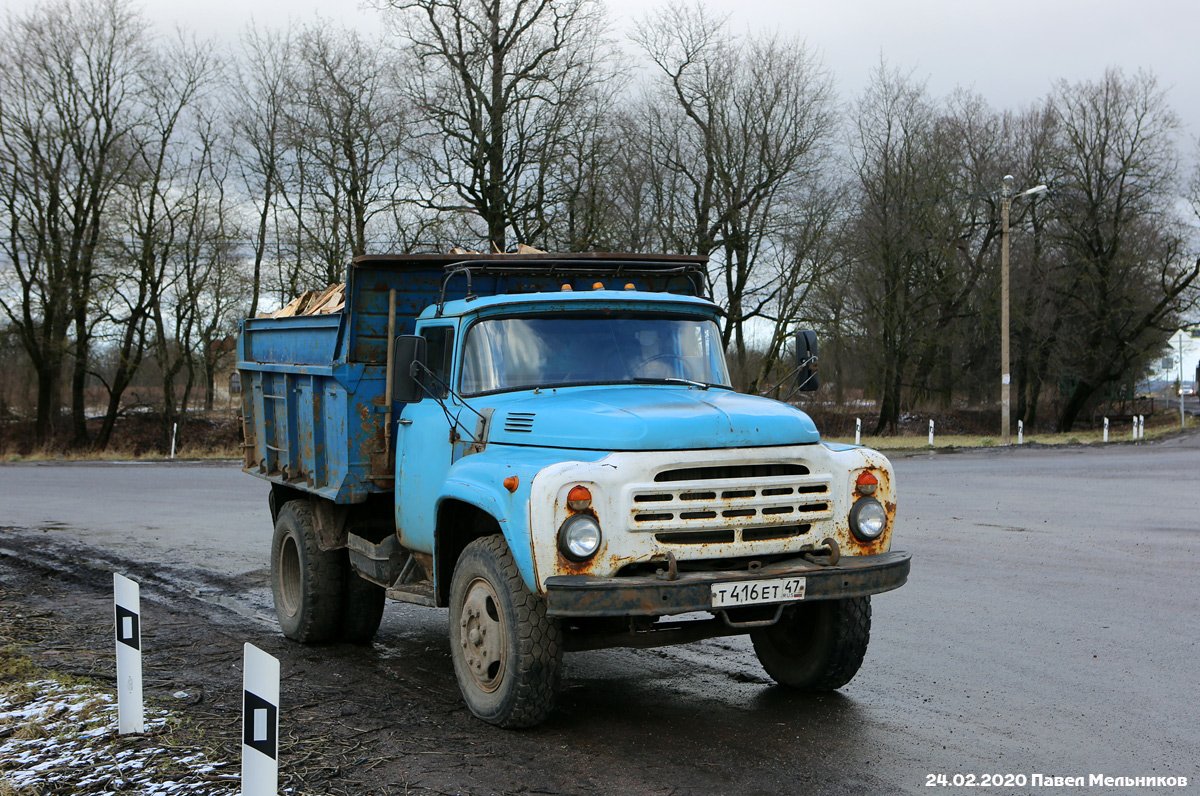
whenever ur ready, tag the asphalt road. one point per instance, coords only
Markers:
(1051, 625)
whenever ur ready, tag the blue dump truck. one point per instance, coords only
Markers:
(549, 446)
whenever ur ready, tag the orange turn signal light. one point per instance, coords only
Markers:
(866, 483)
(597, 286)
(511, 483)
(579, 498)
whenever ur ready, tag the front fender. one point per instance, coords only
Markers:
(478, 480)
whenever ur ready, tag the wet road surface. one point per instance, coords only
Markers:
(1051, 625)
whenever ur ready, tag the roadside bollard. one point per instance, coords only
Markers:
(127, 607)
(1106, 429)
(931, 433)
(260, 723)
(858, 431)
(1020, 432)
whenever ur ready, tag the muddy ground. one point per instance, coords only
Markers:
(371, 720)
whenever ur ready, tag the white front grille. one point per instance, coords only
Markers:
(730, 503)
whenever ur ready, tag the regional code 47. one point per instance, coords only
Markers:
(1048, 781)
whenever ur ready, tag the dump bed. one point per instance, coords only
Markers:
(313, 386)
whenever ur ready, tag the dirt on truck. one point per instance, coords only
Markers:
(549, 446)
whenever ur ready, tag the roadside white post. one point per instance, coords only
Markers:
(1020, 432)
(931, 433)
(1141, 426)
(1106, 429)
(260, 723)
(127, 607)
(858, 431)
(174, 428)
(1135, 427)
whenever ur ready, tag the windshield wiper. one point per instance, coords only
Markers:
(673, 380)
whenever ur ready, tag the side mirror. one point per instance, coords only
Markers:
(407, 367)
(807, 379)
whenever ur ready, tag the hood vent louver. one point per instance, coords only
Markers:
(519, 422)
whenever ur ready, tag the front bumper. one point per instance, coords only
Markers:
(853, 576)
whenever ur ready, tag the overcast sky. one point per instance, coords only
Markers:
(1011, 52)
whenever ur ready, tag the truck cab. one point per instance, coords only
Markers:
(566, 466)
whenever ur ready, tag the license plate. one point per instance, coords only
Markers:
(757, 592)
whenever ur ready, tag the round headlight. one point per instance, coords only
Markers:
(579, 537)
(867, 519)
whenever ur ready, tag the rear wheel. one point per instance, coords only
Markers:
(816, 646)
(362, 609)
(306, 581)
(507, 653)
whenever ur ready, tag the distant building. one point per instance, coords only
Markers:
(1185, 344)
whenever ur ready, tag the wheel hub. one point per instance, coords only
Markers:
(290, 589)
(482, 636)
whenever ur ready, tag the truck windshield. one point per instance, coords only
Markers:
(556, 351)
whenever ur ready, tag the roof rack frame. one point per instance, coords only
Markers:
(693, 272)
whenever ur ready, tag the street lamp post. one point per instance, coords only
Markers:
(1182, 416)
(1006, 197)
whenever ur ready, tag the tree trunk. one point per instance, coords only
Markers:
(49, 400)
(1074, 405)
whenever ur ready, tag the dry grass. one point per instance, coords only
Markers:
(114, 454)
(15, 667)
(918, 442)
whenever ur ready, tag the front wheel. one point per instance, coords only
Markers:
(816, 646)
(507, 653)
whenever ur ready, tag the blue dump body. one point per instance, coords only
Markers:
(313, 396)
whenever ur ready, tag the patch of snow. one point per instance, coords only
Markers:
(81, 755)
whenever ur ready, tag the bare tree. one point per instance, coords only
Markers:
(900, 238)
(503, 85)
(70, 79)
(803, 264)
(755, 128)
(1115, 175)
(257, 112)
(346, 129)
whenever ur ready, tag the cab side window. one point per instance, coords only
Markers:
(439, 356)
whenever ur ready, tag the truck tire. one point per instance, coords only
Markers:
(362, 609)
(818, 646)
(507, 653)
(306, 581)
